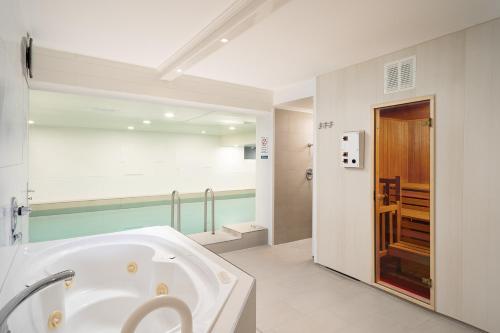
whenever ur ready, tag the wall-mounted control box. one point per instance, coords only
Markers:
(352, 149)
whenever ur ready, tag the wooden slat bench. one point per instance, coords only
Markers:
(416, 214)
(413, 240)
(408, 204)
(416, 201)
(410, 252)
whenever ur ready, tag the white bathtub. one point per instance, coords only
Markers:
(115, 273)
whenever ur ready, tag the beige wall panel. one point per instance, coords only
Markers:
(481, 212)
(441, 71)
(462, 71)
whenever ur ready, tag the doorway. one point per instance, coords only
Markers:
(403, 199)
(293, 132)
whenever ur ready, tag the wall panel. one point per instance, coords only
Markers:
(481, 181)
(418, 152)
(13, 124)
(393, 145)
(462, 71)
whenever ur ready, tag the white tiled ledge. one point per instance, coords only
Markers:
(131, 200)
(232, 237)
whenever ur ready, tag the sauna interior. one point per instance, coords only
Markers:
(403, 229)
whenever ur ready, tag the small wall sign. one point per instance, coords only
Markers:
(325, 125)
(264, 148)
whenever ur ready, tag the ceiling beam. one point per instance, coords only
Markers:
(63, 71)
(237, 18)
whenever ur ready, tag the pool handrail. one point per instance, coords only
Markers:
(212, 196)
(175, 194)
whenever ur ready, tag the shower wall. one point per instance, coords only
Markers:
(292, 191)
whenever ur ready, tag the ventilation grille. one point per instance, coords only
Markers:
(400, 75)
(391, 77)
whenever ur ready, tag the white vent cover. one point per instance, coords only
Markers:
(391, 79)
(400, 75)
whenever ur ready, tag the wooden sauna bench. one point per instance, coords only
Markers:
(416, 214)
(412, 243)
(415, 200)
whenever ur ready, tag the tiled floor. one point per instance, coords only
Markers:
(296, 295)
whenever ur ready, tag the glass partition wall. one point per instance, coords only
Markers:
(101, 164)
(403, 199)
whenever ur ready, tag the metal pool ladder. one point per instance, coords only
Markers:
(212, 196)
(175, 194)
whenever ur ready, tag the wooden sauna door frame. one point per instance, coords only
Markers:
(374, 172)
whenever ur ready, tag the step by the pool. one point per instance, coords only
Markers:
(232, 237)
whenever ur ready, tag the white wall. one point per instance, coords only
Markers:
(13, 121)
(68, 164)
(237, 139)
(264, 191)
(462, 70)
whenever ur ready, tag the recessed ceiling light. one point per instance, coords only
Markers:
(179, 70)
(169, 115)
(236, 146)
(224, 40)
(146, 122)
(131, 128)
(232, 128)
(31, 122)
(203, 132)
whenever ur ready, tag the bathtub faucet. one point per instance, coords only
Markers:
(6, 311)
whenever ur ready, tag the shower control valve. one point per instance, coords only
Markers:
(16, 211)
(17, 236)
(309, 173)
(23, 210)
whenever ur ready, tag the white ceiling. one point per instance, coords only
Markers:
(68, 110)
(305, 38)
(299, 40)
(144, 33)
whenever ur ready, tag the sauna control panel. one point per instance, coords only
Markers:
(352, 149)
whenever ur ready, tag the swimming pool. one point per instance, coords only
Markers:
(51, 224)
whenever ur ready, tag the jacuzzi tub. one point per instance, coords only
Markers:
(115, 273)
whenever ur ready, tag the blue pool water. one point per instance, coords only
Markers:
(60, 224)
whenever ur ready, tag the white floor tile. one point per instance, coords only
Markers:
(296, 295)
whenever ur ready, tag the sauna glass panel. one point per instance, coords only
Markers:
(402, 218)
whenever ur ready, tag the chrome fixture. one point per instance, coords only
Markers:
(6, 311)
(309, 173)
(212, 197)
(175, 194)
(28, 50)
(28, 193)
(16, 211)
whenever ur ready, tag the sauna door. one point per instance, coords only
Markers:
(403, 199)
